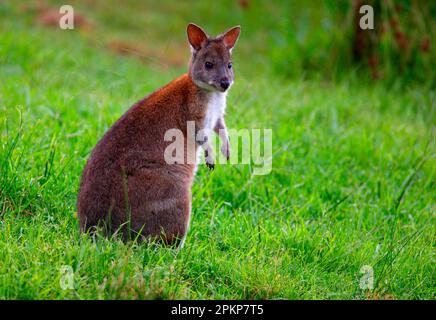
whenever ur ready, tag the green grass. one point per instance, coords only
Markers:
(352, 183)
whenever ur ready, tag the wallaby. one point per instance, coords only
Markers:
(127, 186)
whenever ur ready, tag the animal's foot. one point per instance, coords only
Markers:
(209, 159)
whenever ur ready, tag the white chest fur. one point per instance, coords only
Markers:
(215, 109)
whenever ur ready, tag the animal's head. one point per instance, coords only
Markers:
(210, 66)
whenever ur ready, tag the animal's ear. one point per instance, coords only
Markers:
(196, 36)
(231, 36)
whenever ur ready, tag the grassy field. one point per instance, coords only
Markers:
(352, 183)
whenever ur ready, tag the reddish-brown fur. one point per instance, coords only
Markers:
(127, 185)
(127, 170)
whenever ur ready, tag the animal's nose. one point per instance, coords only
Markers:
(225, 83)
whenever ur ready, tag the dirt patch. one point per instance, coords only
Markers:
(49, 16)
(126, 48)
(164, 55)
(171, 55)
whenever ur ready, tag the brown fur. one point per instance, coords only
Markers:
(126, 184)
(127, 170)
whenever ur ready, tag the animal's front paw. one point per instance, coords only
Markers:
(225, 150)
(211, 166)
(209, 159)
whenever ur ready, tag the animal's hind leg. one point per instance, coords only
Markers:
(159, 211)
(167, 226)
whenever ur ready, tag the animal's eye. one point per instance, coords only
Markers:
(208, 65)
(229, 65)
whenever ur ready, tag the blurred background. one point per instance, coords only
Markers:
(293, 39)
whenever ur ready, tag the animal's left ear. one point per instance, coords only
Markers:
(231, 36)
(196, 36)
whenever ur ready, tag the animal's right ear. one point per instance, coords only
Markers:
(196, 36)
